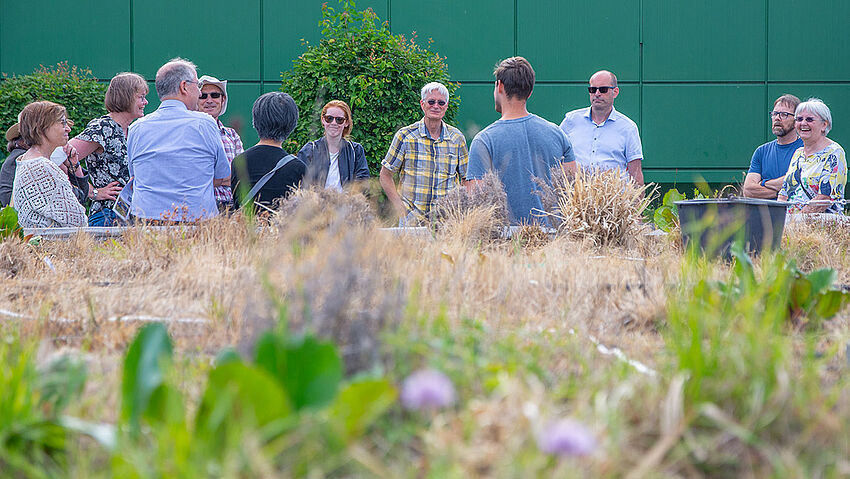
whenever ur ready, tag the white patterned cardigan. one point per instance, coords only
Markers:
(43, 197)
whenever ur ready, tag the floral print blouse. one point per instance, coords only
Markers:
(110, 164)
(821, 173)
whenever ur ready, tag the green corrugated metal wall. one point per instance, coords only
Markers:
(698, 77)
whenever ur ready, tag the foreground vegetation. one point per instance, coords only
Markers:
(307, 347)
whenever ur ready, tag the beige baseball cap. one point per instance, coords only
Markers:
(13, 132)
(222, 84)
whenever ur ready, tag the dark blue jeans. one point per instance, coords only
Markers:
(105, 217)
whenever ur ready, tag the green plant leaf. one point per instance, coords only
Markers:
(801, 292)
(830, 303)
(239, 395)
(359, 404)
(61, 381)
(165, 406)
(821, 279)
(309, 370)
(144, 370)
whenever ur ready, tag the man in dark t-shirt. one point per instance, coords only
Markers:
(275, 116)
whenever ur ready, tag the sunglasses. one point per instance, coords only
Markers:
(432, 101)
(214, 94)
(330, 119)
(602, 89)
(807, 119)
(781, 114)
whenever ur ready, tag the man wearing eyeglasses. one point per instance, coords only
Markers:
(770, 161)
(213, 101)
(429, 156)
(602, 137)
(175, 153)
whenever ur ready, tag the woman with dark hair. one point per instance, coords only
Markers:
(817, 174)
(334, 160)
(275, 116)
(42, 193)
(103, 144)
(16, 147)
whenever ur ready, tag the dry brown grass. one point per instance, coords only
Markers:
(601, 207)
(477, 216)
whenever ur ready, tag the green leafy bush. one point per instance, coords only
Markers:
(74, 88)
(378, 74)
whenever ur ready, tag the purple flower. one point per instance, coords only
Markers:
(567, 437)
(427, 389)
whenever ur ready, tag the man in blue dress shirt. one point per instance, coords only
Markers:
(602, 137)
(770, 161)
(175, 153)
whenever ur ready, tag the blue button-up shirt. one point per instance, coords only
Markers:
(174, 155)
(611, 145)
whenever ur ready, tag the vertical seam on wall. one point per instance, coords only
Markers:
(390, 14)
(516, 29)
(640, 63)
(766, 58)
(132, 42)
(262, 52)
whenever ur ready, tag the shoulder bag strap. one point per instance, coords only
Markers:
(262, 181)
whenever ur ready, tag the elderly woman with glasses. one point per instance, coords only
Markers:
(817, 174)
(41, 192)
(334, 160)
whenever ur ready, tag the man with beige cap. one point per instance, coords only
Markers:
(213, 101)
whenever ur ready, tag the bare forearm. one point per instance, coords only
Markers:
(818, 204)
(387, 183)
(636, 171)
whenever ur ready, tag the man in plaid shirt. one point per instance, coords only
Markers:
(213, 101)
(429, 156)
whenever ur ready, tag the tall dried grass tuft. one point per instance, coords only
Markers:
(14, 257)
(476, 216)
(316, 208)
(600, 206)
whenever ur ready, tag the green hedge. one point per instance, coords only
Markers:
(75, 88)
(378, 74)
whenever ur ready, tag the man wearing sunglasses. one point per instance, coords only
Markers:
(770, 161)
(429, 156)
(213, 101)
(603, 138)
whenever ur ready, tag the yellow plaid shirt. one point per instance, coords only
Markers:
(427, 168)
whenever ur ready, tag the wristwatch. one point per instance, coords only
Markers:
(763, 183)
(93, 193)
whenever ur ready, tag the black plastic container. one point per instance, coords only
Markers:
(718, 222)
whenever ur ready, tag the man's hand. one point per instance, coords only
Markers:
(388, 184)
(108, 192)
(754, 189)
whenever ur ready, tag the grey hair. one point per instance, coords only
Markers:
(274, 116)
(819, 108)
(435, 85)
(170, 75)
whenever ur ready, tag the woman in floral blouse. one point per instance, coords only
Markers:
(817, 174)
(104, 144)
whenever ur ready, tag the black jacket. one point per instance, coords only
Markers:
(352, 162)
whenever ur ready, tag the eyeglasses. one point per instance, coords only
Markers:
(330, 119)
(65, 122)
(807, 119)
(602, 89)
(213, 94)
(784, 115)
(440, 102)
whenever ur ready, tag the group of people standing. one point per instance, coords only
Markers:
(181, 163)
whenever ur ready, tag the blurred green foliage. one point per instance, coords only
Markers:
(378, 74)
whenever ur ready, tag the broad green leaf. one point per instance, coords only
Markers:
(144, 371)
(227, 355)
(830, 303)
(359, 404)
(240, 393)
(165, 406)
(9, 222)
(801, 292)
(821, 279)
(743, 268)
(310, 370)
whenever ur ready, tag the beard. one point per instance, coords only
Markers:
(498, 106)
(781, 131)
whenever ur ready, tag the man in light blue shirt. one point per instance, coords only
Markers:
(175, 153)
(602, 137)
